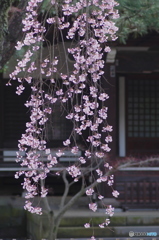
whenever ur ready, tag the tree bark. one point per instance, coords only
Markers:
(10, 29)
(4, 8)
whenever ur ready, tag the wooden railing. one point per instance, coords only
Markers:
(8, 155)
(138, 192)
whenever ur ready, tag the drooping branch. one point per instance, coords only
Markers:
(110, 172)
(136, 163)
(80, 88)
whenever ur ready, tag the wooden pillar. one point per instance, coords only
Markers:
(1, 116)
(109, 86)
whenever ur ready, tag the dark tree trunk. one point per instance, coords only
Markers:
(10, 28)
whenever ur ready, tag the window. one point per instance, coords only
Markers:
(142, 114)
(143, 102)
(58, 127)
(14, 116)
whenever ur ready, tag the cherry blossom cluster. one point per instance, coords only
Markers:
(33, 37)
(90, 192)
(96, 15)
(93, 23)
(33, 150)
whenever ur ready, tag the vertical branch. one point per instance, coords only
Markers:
(71, 201)
(45, 199)
(66, 190)
(50, 214)
(66, 206)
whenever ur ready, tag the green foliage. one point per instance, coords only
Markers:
(45, 5)
(4, 8)
(137, 17)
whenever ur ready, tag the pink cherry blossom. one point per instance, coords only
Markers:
(67, 142)
(79, 92)
(89, 192)
(115, 193)
(87, 225)
(110, 210)
(93, 207)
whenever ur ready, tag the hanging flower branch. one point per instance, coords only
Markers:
(93, 26)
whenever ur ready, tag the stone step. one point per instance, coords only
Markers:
(103, 238)
(117, 232)
(117, 220)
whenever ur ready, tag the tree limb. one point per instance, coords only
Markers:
(67, 186)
